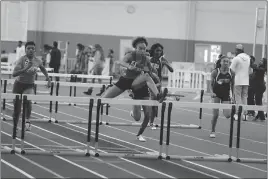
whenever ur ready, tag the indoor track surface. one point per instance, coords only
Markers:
(184, 142)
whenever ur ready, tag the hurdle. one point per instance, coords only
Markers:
(11, 81)
(246, 160)
(200, 158)
(54, 152)
(109, 101)
(15, 97)
(136, 124)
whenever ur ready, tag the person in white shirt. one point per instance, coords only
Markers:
(20, 50)
(241, 66)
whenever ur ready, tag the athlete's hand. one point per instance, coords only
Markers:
(48, 83)
(32, 70)
(132, 67)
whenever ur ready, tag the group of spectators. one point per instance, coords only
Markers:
(91, 60)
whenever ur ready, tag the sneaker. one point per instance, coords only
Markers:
(152, 126)
(27, 126)
(141, 139)
(235, 117)
(212, 135)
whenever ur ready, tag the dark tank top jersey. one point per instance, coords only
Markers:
(157, 64)
(220, 88)
(141, 61)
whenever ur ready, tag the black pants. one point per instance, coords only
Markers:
(258, 92)
(251, 99)
(56, 70)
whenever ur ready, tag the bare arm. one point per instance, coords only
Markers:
(126, 60)
(232, 82)
(168, 65)
(44, 71)
(212, 79)
(18, 70)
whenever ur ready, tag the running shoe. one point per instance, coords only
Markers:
(212, 135)
(152, 126)
(28, 126)
(141, 139)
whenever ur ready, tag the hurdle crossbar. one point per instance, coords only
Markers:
(51, 152)
(66, 75)
(199, 158)
(251, 160)
(86, 85)
(124, 155)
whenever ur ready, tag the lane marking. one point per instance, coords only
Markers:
(68, 161)
(142, 166)
(176, 123)
(17, 169)
(38, 165)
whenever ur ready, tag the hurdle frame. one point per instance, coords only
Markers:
(244, 160)
(199, 158)
(54, 152)
(15, 97)
(128, 155)
(135, 124)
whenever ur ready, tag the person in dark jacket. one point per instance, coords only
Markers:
(55, 58)
(251, 95)
(258, 84)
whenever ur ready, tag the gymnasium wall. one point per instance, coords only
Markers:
(177, 25)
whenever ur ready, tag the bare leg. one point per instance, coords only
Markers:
(214, 118)
(227, 112)
(144, 79)
(147, 113)
(137, 112)
(112, 92)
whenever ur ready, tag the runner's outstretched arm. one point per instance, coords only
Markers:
(168, 65)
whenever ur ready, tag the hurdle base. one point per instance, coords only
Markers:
(125, 155)
(251, 160)
(51, 153)
(41, 120)
(198, 158)
(7, 151)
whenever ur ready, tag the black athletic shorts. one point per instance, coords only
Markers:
(141, 93)
(223, 97)
(19, 88)
(124, 83)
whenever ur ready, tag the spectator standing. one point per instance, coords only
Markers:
(55, 59)
(241, 66)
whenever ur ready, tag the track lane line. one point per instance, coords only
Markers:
(142, 166)
(17, 169)
(66, 160)
(38, 165)
(156, 140)
(176, 123)
(193, 137)
(152, 139)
